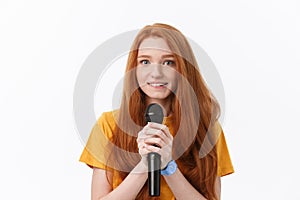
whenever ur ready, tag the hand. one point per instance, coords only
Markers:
(155, 137)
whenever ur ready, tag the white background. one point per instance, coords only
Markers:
(255, 46)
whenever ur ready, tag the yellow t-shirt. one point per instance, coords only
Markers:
(100, 137)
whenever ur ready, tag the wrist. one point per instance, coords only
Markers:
(165, 162)
(169, 169)
(141, 167)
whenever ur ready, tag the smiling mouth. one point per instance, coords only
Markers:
(157, 84)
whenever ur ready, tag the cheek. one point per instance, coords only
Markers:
(140, 76)
(174, 80)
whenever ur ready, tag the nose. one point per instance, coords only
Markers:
(156, 71)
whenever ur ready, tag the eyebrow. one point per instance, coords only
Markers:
(168, 56)
(163, 56)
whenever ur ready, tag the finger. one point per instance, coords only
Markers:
(145, 131)
(151, 148)
(155, 132)
(161, 127)
(166, 130)
(155, 125)
(141, 144)
(141, 134)
(144, 151)
(155, 141)
(138, 139)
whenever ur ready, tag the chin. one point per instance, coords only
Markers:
(158, 97)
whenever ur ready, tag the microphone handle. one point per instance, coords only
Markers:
(154, 173)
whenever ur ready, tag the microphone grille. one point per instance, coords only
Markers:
(154, 113)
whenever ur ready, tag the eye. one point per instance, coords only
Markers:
(169, 62)
(144, 62)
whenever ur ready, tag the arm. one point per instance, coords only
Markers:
(159, 135)
(181, 187)
(128, 189)
(100, 184)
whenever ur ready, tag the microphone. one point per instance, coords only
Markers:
(154, 113)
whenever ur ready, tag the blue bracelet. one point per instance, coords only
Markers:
(170, 168)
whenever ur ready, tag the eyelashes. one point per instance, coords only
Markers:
(166, 62)
(144, 62)
(169, 62)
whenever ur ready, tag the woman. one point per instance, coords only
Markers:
(161, 69)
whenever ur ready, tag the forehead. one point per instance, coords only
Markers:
(154, 43)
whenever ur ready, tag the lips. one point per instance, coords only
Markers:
(157, 84)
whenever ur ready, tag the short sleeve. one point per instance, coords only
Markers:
(225, 166)
(96, 150)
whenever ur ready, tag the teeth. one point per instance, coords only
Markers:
(157, 84)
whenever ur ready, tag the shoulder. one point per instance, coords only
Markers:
(224, 161)
(217, 128)
(219, 136)
(109, 116)
(108, 121)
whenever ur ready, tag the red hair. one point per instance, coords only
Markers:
(190, 133)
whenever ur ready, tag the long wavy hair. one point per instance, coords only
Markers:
(190, 133)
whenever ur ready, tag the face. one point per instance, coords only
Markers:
(156, 70)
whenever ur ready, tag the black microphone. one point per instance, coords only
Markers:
(154, 113)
